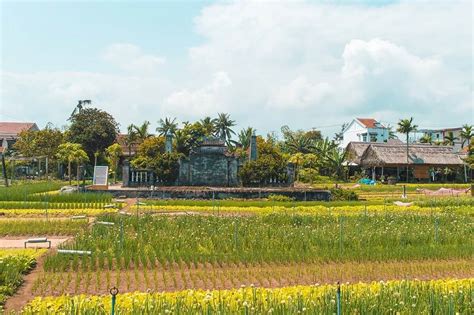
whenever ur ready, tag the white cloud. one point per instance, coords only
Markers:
(206, 100)
(304, 64)
(131, 58)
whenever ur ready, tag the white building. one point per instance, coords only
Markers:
(438, 136)
(364, 130)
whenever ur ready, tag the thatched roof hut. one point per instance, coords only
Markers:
(355, 150)
(381, 154)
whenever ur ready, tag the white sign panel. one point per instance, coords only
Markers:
(101, 174)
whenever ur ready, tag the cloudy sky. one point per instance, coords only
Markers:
(306, 64)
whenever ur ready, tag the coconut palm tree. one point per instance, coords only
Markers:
(427, 138)
(406, 126)
(166, 126)
(466, 134)
(142, 131)
(449, 139)
(223, 127)
(131, 138)
(245, 136)
(207, 124)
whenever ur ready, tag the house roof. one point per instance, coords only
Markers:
(122, 140)
(355, 150)
(378, 154)
(370, 123)
(14, 128)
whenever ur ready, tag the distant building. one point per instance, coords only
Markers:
(364, 130)
(9, 132)
(438, 136)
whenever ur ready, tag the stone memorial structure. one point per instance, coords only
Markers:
(210, 164)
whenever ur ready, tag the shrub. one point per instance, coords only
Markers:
(343, 194)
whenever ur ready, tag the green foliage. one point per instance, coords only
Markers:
(113, 154)
(29, 227)
(94, 129)
(276, 197)
(338, 194)
(12, 269)
(275, 238)
(270, 164)
(151, 155)
(189, 137)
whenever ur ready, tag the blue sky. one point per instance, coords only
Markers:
(306, 64)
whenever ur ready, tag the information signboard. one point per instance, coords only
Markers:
(101, 174)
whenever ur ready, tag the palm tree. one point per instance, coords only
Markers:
(167, 126)
(466, 134)
(71, 152)
(450, 139)
(142, 131)
(208, 125)
(391, 133)
(245, 136)
(222, 127)
(427, 138)
(130, 138)
(406, 126)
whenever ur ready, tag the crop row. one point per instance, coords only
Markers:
(301, 209)
(404, 297)
(13, 265)
(54, 213)
(4, 205)
(10, 227)
(146, 240)
(181, 276)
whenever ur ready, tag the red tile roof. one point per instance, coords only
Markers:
(14, 128)
(368, 122)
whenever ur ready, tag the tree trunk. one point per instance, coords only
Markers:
(47, 169)
(407, 158)
(77, 174)
(69, 171)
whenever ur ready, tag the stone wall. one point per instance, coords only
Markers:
(208, 170)
(221, 193)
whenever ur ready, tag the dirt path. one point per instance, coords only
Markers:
(19, 242)
(24, 293)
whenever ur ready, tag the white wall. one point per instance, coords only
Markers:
(355, 131)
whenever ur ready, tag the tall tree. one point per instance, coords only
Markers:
(450, 139)
(406, 126)
(71, 153)
(391, 133)
(298, 141)
(113, 154)
(131, 138)
(41, 143)
(245, 136)
(207, 124)
(167, 125)
(141, 132)
(466, 134)
(223, 127)
(339, 136)
(94, 129)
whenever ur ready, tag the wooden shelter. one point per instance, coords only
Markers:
(388, 159)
